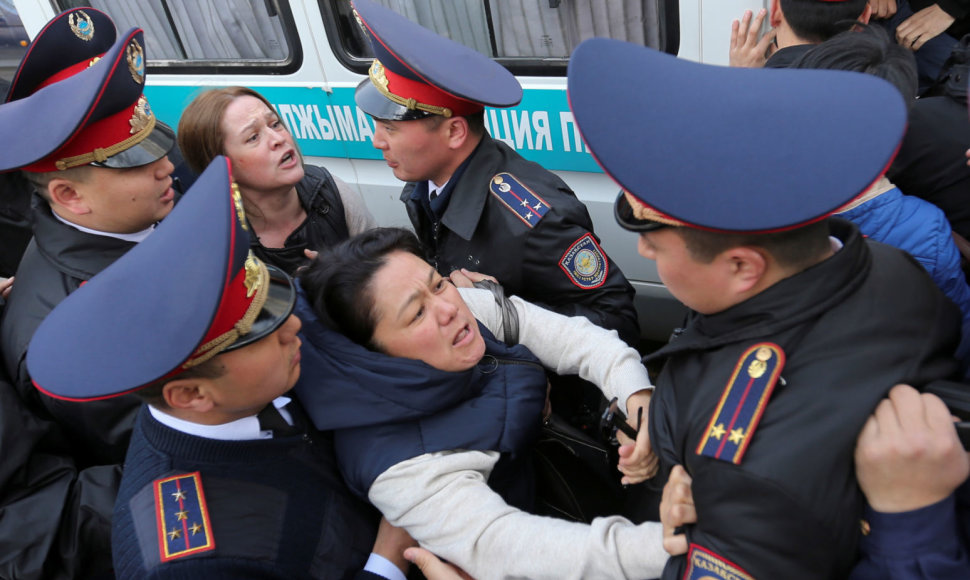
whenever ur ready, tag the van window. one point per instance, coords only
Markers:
(527, 36)
(231, 36)
(13, 43)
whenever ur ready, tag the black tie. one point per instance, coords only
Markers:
(433, 195)
(270, 419)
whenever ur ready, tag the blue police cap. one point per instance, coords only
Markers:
(77, 99)
(417, 73)
(73, 36)
(730, 149)
(191, 290)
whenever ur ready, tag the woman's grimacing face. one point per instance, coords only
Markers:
(421, 316)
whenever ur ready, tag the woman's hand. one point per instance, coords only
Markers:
(465, 278)
(637, 461)
(432, 567)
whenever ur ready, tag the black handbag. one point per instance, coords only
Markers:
(954, 74)
(576, 475)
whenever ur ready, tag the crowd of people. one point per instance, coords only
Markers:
(215, 363)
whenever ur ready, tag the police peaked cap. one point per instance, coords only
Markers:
(189, 291)
(417, 73)
(70, 112)
(730, 149)
(73, 36)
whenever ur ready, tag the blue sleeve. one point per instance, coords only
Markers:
(923, 544)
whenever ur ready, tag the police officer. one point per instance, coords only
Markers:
(223, 477)
(798, 327)
(474, 202)
(77, 125)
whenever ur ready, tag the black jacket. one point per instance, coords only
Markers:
(532, 260)
(57, 503)
(850, 327)
(324, 226)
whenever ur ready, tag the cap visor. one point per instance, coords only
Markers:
(624, 216)
(277, 308)
(371, 101)
(149, 150)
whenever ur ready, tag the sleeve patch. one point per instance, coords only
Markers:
(702, 564)
(743, 402)
(519, 199)
(182, 516)
(585, 263)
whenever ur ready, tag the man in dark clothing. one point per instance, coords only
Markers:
(474, 202)
(224, 478)
(931, 162)
(96, 157)
(799, 326)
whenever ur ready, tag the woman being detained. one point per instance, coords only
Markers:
(434, 418)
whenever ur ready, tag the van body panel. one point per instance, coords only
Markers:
(316, 100)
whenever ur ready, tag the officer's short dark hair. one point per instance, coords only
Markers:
(40, 181)
(797, 248)
(338, 282)
(867, 50)
(152, 393)
(476, 122)
(817, 21)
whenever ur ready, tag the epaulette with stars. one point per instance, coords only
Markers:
(183, 517)
(519, 199)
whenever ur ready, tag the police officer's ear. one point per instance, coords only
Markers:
(746, 269)
(459, 134)
(65, 192)
(189, 394)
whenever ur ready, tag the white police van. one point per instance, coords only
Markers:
(307, 56)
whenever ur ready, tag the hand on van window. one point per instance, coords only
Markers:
(677, 509)
(6, 284)
(637, 461)
(919, 28)
(882, 8)
(432, 567)
(908, 455)
(465, 278)
(747, 50)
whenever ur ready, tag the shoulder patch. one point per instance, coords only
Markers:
(182, 516)
(585, 263)
(702, 564)
(743, 402)
(519, 199)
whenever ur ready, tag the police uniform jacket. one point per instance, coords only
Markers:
(546, 252)
(57, 261)
(850, 328)
(324, 226)
(192, 507)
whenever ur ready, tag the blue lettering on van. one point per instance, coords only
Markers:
(329, 124)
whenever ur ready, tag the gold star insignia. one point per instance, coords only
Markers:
(717, 431)
(175, 534)
(736, 436)
(182, 515)
(179, 495)
(195, 528)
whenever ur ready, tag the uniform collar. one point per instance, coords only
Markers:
(245, 429)
(462, 218)
(788, 303)
(133, 238)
